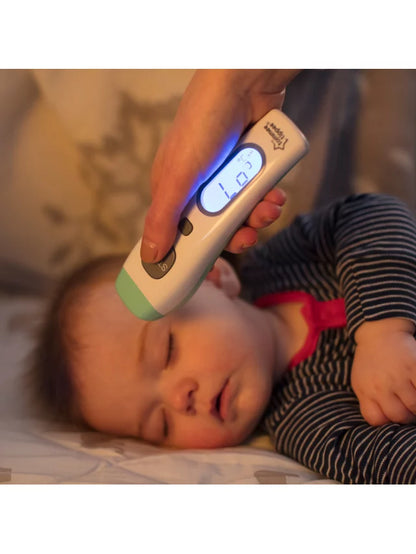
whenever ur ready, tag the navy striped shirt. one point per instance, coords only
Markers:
(362, 249)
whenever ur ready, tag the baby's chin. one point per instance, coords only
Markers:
(209, 443)
(215, 440)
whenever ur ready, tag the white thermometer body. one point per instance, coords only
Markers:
(219, 207)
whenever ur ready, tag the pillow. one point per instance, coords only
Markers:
(76, 149)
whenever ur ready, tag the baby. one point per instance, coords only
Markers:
(319, 348)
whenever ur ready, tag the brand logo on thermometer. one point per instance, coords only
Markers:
(279, 139)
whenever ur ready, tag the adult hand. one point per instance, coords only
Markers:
(216, 108)
(383, 374)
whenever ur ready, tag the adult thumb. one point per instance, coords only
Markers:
(159, 232)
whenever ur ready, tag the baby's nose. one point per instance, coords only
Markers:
(181, 395)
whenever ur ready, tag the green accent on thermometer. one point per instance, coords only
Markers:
(134, 298)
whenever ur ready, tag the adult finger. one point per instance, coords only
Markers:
(263, 215)
(244, 238)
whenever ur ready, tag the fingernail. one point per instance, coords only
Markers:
(269, 220)
(277, 211)
(148, 251)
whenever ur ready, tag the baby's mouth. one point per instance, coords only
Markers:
(218, 405)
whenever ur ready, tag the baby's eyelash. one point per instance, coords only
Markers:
(171, 346)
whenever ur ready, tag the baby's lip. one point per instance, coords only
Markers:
(220, 402)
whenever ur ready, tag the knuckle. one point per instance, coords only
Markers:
(375, 420)
(411, 406)
(373, 415)
(403, 418)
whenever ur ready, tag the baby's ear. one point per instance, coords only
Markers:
(224, 277)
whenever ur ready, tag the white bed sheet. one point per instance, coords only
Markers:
(34, 451)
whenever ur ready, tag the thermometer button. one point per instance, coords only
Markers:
(185, 226)
(160, 269)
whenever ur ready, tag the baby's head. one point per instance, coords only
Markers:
(200, 377)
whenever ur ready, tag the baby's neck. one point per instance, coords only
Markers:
(290, 314)
(282, 330)
(290, 331)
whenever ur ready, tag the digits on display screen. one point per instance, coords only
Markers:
(233, 177)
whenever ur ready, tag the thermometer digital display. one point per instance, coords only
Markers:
(218, 208)
(239, 171)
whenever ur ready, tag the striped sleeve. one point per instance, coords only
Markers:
(326, 432)
(375, 249)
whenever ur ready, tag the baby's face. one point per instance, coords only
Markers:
(198, 378)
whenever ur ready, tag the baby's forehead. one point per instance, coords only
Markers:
(103, 302)
(98, 304)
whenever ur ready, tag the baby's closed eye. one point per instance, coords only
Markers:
(170, 350)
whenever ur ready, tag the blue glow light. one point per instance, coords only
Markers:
(233, 177)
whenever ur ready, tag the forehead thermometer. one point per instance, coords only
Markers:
(214, 213)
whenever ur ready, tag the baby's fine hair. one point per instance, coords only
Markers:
(49, 378)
